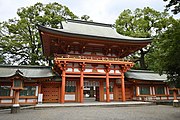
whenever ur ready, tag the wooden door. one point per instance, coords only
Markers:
(128, 93)
(50, 92)
(97, 94)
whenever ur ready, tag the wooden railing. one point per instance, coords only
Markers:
(21, 97)
(88, 57)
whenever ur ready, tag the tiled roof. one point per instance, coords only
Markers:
(26, 71)
(91, 29)
(145, 75)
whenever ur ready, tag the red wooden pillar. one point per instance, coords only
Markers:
(39, 88)
(63, 86)
(101, 91)
(82, 87)
(16, 98)
(107, 82)
(107, 87)
(77, 91)
(123, 87)
(167, 92)
(82, 68)
(175, 94)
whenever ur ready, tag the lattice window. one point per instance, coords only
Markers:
(160, 90)
(171, 92)
(111, 84)
(28, 91)
(144, 90)
(5, 90)
(70, 86)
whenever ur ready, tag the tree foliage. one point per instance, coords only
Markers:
(142, 23)
(20, 40)
(174, 4)
(166, 54)
(86, 18)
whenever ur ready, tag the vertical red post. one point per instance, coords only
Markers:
(175, 94)
(167, 92)
(39, 88)
(63, 86)
(82, 87)
(16, 99)
(101, 91)
(107, 87)
(123, 87)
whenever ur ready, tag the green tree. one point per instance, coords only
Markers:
(166, 54)
(86, 18)
(20, 42)
(142, 23)
(174, 4)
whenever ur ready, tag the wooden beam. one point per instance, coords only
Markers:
(96, 61)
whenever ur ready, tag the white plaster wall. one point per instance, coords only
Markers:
(36, 91)
(40, 98)
(22, 100)
(11, 93)
(117, 71)
(88, 70)
(76, 70)
(31, 100)
(6, 101)
(151, 92)
(69, 70)
(101, 70)
(137, 91)
(110, 95)
(69, 97)
(111, 71)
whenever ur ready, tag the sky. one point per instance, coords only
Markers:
(104, 11)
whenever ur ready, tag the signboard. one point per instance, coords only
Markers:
(40, 98)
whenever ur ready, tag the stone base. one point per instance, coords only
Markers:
(15, 109)
(176, 103)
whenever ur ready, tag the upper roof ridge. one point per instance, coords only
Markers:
(141, 71)
(22, 66)
(89, 23)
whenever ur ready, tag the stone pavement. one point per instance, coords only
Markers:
(122, 104)
(143, 112)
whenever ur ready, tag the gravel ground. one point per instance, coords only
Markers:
(155, 112)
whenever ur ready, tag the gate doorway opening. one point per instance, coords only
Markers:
(91, 90)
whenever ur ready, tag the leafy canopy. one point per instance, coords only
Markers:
(142, 23)
(166, 54)
(174, 4)
(20, 42)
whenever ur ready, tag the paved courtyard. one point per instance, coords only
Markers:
(155, 112)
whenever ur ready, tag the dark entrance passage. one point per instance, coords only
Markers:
(90, 90)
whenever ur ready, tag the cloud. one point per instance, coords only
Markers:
(8, 8)
(105, 11)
